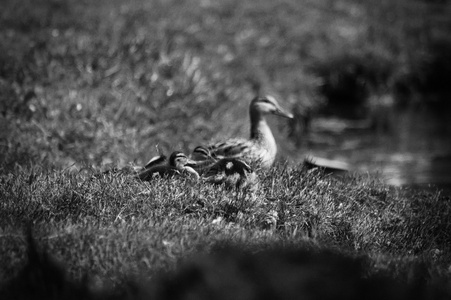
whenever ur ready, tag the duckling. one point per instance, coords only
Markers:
(154, 161)
(201, 153)
(260, 149)
(204, 159)
(233, 172)
(179, 164)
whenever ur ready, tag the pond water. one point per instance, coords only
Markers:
(409, 147)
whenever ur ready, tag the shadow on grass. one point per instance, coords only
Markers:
(231, 272)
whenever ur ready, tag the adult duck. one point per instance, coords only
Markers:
(260, 149)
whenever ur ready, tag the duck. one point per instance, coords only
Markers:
(232, 172)
(178, 165)
(260, 149)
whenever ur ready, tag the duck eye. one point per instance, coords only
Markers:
(266, 101)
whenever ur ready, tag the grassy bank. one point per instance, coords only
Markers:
(115, 229)
(86, 86)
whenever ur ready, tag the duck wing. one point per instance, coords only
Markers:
(250, 151)
(234, 148)
(211, 154)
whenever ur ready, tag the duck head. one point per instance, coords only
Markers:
(268, 105)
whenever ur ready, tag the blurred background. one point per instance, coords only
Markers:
(106, 83)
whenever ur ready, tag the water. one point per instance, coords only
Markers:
(409, 147)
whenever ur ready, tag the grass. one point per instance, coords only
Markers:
(85, 87)
(115, 228)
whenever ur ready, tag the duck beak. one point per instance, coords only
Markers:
(283, 113)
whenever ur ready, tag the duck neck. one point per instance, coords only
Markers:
(260, 131)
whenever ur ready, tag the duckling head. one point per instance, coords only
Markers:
(181, 162)
(201, 153)
(268, 105)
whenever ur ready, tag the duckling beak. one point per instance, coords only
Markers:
(283, 113)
